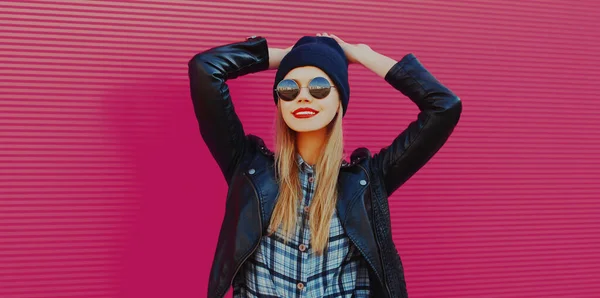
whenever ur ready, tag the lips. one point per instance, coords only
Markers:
(304, 113)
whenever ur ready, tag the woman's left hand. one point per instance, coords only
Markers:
(353, 51)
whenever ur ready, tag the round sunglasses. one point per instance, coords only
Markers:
(318, 87)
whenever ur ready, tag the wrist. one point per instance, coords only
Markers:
(363, 54)
(275, 56)
(376, 62)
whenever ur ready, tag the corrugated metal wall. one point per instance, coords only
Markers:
(107, 190)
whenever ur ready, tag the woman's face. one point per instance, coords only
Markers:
(324, 109)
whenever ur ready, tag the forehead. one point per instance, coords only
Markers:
(304, 74)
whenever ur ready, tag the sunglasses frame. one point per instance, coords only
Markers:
(300, 88)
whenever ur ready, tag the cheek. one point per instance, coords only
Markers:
(332, 105)
(285, 108)
(286, 113)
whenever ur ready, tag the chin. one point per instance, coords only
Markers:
(305, 125)
(315, 123)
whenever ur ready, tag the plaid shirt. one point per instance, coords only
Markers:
(293, 270)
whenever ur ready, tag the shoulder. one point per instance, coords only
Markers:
(360, 156)
(257, 145)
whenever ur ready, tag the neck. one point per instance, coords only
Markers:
(310, 143)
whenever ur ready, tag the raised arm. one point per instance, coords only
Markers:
(208, 71)
(440, 111)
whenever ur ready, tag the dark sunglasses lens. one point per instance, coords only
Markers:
(288, 89)
(319, 87)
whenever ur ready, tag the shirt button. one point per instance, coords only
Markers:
(311, 179)
(300, 286)
(302, 247)
(363, 182)
(306, 208)
(252, 171)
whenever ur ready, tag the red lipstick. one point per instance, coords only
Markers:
(304, 113)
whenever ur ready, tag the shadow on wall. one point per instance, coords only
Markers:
(180, 192)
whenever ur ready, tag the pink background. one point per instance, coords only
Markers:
(107, 189)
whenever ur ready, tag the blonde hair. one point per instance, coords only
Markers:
(327, 169)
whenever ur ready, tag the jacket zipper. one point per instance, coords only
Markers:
(257, 243)
(387, 288)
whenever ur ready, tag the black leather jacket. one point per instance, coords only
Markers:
(365, 182)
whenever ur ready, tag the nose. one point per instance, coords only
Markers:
(304, 95)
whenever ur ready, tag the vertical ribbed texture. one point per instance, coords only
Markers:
(107, 190)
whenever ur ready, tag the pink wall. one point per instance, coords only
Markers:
(107, 190)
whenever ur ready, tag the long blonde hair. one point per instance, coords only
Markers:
(327, 170)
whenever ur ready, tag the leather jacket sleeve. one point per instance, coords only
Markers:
(440, 111)
(208, 72)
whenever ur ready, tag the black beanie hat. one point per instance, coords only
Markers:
(324, 53)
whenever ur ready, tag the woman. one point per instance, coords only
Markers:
(301, 221)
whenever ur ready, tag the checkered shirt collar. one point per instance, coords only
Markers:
(303, 165)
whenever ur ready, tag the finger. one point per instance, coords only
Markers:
(318, 34)
(337, 38)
